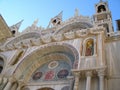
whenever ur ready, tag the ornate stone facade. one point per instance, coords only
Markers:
(77, 54)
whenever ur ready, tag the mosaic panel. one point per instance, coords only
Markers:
(63, 73)
(49, 75)
(52, 70)
(37, 75)
(89, 48)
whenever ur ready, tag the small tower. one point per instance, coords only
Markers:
(103, 17)
(57, 20)
(14, 28)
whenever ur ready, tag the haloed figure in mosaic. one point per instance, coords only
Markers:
(89, 48)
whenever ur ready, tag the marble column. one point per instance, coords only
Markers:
(77, 78)
(10, 82)
(101, 74)
(88, 82)
(71, 80)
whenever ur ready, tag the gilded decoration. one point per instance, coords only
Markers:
(89, 48)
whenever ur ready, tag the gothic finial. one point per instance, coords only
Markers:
(101, 0)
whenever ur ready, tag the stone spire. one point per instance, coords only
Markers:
(59, 16)
(56, 20)
(17, 25)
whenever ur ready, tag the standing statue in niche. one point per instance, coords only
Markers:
(89, 48)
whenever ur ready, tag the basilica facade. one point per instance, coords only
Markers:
(81, 53)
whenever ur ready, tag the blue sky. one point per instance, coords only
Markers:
(15, 10)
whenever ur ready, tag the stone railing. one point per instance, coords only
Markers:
(102, 21)
(88, 62)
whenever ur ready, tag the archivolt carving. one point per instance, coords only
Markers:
(56, 51)
(73, 27)
(33, 35)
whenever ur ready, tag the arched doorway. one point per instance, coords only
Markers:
(46, 88)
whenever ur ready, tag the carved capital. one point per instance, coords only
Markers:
(88, 73)
(101, 72)
(70, 77)
(77, 74)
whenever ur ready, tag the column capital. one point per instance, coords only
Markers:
(88, 73)
(77, 74)
(101, 72)
(70, 77)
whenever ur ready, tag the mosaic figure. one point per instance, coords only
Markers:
(63, 73)
(37, 75)
(89, 48)
(49, 75)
